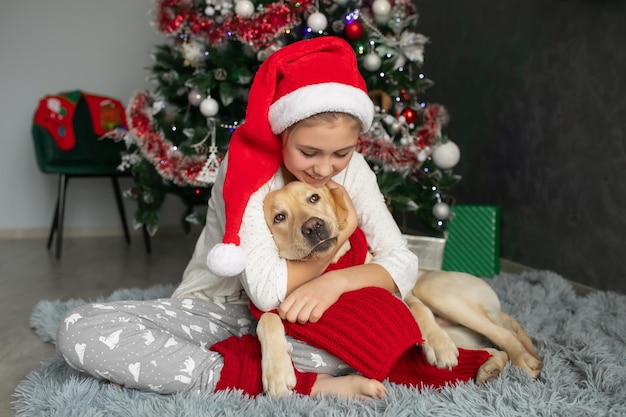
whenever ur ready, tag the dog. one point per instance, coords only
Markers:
(452, 309)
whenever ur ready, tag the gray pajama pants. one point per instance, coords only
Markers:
(162, 345)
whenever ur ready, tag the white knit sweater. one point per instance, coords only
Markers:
(265, 276)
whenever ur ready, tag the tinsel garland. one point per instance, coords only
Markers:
(184, 170)
(413, 148)
(175, 17)
(169, 162)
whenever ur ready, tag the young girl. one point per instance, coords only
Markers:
(307, 106)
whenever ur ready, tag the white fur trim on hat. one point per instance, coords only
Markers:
(319, 98)
(226, 260)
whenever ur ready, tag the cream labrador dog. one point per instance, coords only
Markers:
(452, 309)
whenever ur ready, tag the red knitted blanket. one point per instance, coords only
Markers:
(368, 329)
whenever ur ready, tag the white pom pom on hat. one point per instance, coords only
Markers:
(226, 260)
(297, 81)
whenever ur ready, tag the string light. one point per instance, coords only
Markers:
(406, 130)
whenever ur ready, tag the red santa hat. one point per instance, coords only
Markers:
(298, 81)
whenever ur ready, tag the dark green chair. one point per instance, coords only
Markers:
(90, 157)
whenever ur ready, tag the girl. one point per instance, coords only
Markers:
(306, 108)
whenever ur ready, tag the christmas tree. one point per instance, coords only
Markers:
(179, 132)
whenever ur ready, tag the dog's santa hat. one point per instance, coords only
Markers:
(298, 81)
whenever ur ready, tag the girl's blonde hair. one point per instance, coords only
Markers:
(327, 118)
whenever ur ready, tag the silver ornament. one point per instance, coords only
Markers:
(317, 22)
(194, 97)
(209, 107)
(446, 155)
(244, 8)
(381, 7)
(372, 61)
(441, 211)
(382, 11)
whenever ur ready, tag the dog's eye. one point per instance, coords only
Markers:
(314, 198)
(279, 218)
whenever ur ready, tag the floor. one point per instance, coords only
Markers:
(89, 268)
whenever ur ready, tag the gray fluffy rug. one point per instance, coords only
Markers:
(582, 341)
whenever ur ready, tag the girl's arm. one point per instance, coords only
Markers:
(384, 238)
(308, 302)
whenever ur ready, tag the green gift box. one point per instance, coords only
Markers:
(473, 240)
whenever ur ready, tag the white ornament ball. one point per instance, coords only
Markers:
(441, 211)
(209, 107)
(372, 62)
(244, 8)
(317, 22)
(194, 97)
(446, 155)
(381, 8)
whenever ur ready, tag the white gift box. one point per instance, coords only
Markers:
(429, 250)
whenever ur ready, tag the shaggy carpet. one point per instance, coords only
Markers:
(582, 341)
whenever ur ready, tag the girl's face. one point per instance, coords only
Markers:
(317, 152)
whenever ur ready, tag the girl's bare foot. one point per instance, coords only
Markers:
(350, 386)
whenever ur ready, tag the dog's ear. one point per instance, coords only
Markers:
(341, 211)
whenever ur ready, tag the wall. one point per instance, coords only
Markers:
(536, 92)
(537, 96)
(102, 47)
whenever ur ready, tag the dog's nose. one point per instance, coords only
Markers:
(314, 228)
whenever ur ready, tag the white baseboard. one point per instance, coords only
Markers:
(88, 232)
(69, 233)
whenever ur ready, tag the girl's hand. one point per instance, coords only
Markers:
(308, 302)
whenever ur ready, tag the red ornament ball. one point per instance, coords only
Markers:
(410, 115)
(354, 30)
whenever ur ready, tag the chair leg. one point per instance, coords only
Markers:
(55, 223)
(120, 207)
(63, 179)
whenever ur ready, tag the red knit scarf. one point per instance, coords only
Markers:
(356, 255)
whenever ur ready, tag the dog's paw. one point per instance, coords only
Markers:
(529, 363)
(492, 368)
(487, 372)
(279, 377)
(279, 385)
(441, 351)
